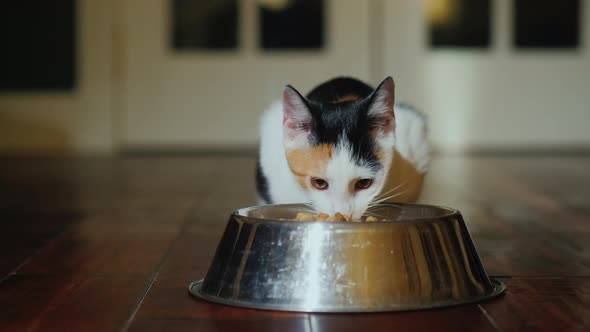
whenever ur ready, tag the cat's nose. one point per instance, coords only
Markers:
(346, 210)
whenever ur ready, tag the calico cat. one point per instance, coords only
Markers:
(343, 148)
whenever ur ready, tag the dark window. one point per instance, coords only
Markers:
(205, 24)
(459, 23)
(546, 23)
(38, 45)
(292, 24)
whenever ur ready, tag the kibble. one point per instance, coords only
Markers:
(337, 217)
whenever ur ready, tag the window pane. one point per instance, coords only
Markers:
(38, 45)
(459, 23)
(291, 24)
(546, 23)
(206, 24)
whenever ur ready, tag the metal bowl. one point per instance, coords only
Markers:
(422, 258)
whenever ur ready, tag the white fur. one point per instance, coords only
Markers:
(409, 140)
(341, 175)
(411, 137)
(283, 188)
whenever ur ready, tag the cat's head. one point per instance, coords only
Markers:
(340, 153)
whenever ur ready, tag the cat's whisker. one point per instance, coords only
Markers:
(379, 201)
(388, 197)
(392, 190)
(383, 202)
(375, 207)
(402, 183)
(385, 193)
(393, 204)
(394, 194)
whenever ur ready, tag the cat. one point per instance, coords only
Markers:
(344, 147)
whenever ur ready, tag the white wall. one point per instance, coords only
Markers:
(499, 98)
(207, 99)
(76, 121)
(134, 92)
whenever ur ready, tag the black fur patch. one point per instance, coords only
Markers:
(346, 121)
(337, 88)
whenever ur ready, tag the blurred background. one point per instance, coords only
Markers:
(116, 76)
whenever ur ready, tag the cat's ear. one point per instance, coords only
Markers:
(297, 117)
(380, 110)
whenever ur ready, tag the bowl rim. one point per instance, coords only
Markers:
(194, 289)
(452, 213)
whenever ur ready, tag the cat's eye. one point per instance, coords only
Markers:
(319, 184)
(363, 184)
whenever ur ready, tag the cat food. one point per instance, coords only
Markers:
(337, 217)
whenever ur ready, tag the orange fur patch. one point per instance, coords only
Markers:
(406, 178)
(381, 156)
(309, 161)
(347, 98)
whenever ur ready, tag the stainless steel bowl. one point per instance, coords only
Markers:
(422, 258)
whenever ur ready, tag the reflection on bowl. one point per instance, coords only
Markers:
(422, 258)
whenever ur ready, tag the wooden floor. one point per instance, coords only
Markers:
(97, 244)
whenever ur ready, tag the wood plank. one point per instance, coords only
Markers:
(252, 324)
(100, 229)
(524, 256)
(168, 304)
(61, 303)
(566, 173)
(518, 230)
(23, 233)
(91, 183)
(28, 232)
(559, 233)
(101, 248)
(132, 241)
(560, 189)
(464, 318)
(543, 304)
(192, 253)
(189, 260)
(169, 299)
